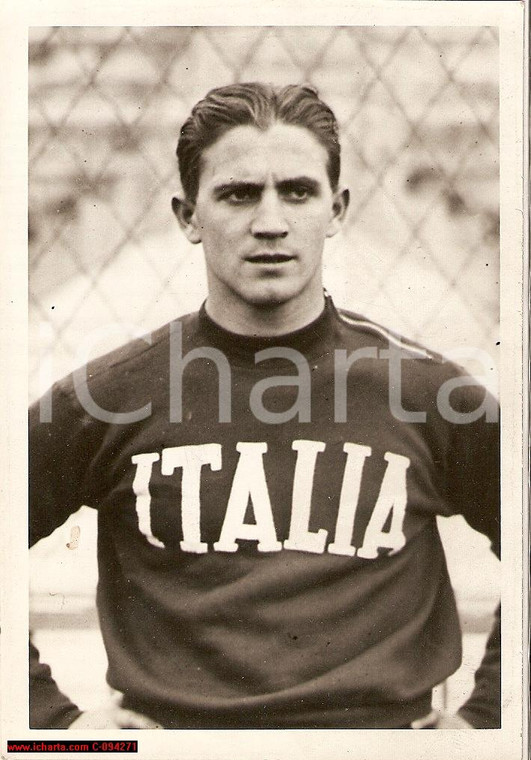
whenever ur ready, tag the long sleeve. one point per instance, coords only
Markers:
(58, 451)
(475, 479)
(49, 707)
(483, 708)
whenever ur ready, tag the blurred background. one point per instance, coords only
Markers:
(418, 110)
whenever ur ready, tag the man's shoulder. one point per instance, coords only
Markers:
(141, 348)
(146, 354)
(383, 337)
(418, 369)
(419, 373)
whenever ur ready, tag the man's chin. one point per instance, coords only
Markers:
(272, 298)
(276, 292)
(269, 300)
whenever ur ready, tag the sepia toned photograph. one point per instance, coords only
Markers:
(267, 346)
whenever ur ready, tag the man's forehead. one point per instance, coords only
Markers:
(248, 152)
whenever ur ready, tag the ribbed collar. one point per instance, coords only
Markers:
(312, 340)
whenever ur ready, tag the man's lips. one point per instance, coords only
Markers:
(269, 258)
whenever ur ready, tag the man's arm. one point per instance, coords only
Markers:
(483, 708)
(474, 484)
(60, 454)
(56, 468)
(49, 707)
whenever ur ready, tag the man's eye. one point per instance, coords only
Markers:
(241, 195)
(297, 194)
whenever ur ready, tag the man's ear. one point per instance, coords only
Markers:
(185, 212)
(339, 211)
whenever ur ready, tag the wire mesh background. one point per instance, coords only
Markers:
(418, 109)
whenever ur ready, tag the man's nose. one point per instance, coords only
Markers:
(269, 219)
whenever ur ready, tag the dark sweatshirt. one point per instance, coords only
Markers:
(267, 541)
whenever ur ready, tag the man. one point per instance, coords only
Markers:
(268, 471)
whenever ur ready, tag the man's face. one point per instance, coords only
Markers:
(263, 210)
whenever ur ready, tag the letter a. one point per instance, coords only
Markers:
(391, 499)
(249, 483)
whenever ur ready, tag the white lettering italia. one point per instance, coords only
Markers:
(249, 492)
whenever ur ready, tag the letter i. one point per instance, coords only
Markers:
(144, 466)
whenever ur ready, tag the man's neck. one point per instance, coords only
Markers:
(264, 320)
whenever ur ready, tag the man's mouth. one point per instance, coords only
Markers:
(269, 258)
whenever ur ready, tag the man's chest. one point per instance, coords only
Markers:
(356, 489)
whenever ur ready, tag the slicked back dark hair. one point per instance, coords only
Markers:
(259, 105)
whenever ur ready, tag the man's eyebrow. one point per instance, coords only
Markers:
(308, 182)
(228, 187)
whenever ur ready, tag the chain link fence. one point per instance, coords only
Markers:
(418, 109)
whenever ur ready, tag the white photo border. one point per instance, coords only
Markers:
(509, 16)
